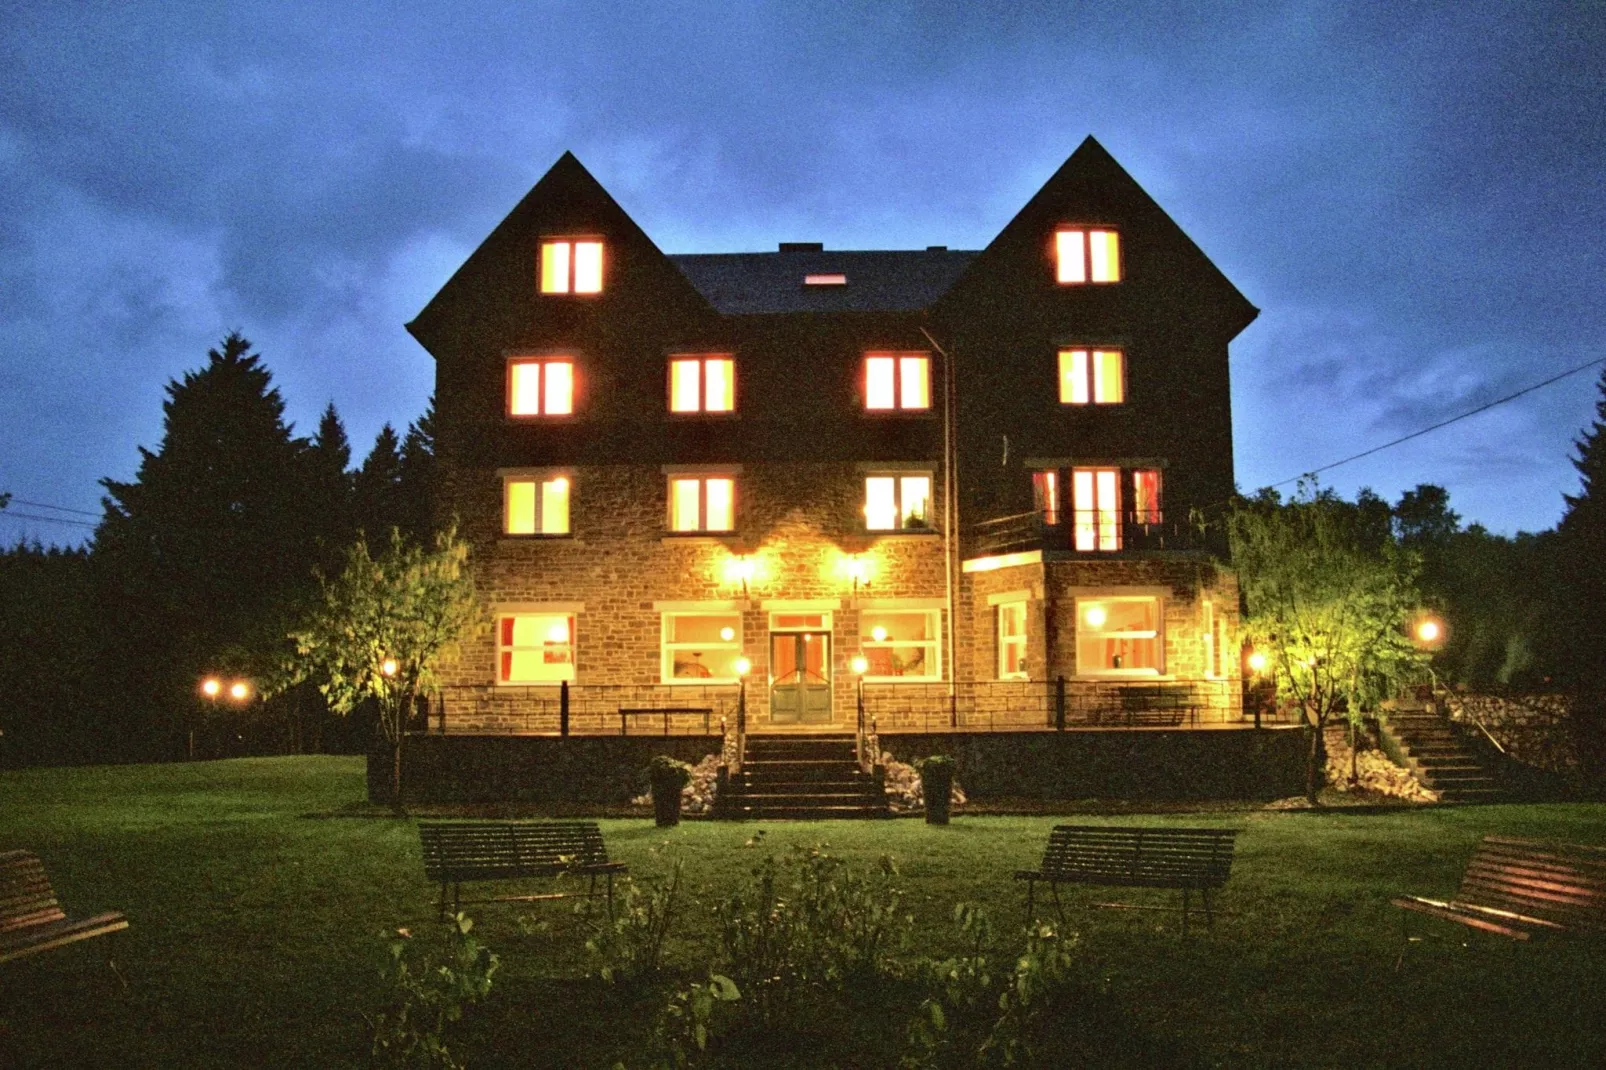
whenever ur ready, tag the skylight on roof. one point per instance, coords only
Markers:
(825, 279)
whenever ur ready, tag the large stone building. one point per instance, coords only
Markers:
(955, 486)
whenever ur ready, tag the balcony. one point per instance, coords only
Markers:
(1087, 533)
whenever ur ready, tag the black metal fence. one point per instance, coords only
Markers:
(1087, 531)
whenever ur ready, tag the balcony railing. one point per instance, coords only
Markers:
(1086, 531)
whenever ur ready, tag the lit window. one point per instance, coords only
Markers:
(897, 503)
(701, 647)
(897, 381)
(1146, 496)
(702, 503)
(1096, 500)
(569, 266)
(1046, 496)
(1084, 255)
(1092, 375)
(1119, 636)
(702, 384)
(540, 386)
(900, 645)
(826, 279)
(536, 504)
(535, 648)
(1012, 641)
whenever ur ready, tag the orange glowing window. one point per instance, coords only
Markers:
(1012, 640)
(1046, 496)
(1086, 254)
(570, 266)
(702, 503)
(897, 502)
(1096, 376)
(535, 648)
(1121, 636)
(536, 504)
(1096, 502)
(894, 381)
(1146, 496)
(826, 279)
(702, 384)
(540, 386)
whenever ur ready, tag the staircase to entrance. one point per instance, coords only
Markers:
(802, 777)
(1434, 750)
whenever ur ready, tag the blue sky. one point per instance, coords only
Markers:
(1414, 195)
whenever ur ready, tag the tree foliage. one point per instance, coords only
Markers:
(1582, 539)
(1330, 596)
(406, 611)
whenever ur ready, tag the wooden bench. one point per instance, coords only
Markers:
(1520, 888)
(627, 712)
(459, 851)
(31, 918)
(1186, 858)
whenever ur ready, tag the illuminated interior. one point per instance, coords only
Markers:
(894, 381)
(702, 503)
(701, 647)
(702, 384)
(1083, 255)
(1146, 496)
(541, 386)
(1012, 641)
(1096, 500)
(1119, 636)
(535, 648)
(569, 266)
(900, 644)
(1092, 376)
(528, 512)
(1046, 495)
(897, 502)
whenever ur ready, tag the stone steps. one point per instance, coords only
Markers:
(801, 778)
(1435, 751)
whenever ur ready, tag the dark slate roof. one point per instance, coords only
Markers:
(898, 281)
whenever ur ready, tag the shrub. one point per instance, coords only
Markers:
(428, 997)
(631, 943)
(905, 795)
(667, 774)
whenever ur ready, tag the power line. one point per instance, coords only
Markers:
(6, 514)
(1445, 423)
(56, 508)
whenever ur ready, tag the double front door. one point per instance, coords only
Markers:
(800, 668)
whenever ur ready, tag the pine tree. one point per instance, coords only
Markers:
(203, 557)
(1583, 549)
(416, 482)
(376, 486)
(329, 488)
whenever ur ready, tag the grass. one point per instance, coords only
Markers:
(255, 936)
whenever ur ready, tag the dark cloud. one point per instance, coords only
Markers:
(1416, 195)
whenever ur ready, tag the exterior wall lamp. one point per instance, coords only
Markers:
(857, 568)
(740, 570)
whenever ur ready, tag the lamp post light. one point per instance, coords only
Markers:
(1429, 632)
(743, 667)
(860, 665)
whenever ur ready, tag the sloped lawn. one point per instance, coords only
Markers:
(256, 935)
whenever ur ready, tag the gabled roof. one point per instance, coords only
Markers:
(876, 281)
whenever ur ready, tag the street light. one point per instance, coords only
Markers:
(1429, 631)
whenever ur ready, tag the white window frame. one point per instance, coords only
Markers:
(564, 673)
(932, 643)
(900, 365)
(543, 401)
(702, 478)
(1158, 635)
(540, 477)
(1000, 611)
(666, 648)
(898, 476)
(569, 283)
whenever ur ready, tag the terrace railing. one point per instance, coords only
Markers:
(1086, 532)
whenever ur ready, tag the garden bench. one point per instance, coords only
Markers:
(1519, 888)
(31, 918)
(1185, 858)
(1159, 705)
(627, 712)
(456, 852)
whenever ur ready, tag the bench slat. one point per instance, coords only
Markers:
(31, 918)
(1515, 887)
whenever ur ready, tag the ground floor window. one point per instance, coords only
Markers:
(900, 645)
(535, 648)
(1119, 636)
(701, 647)
(1012, 641)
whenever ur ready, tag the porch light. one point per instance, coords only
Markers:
(860, 663)
(1256, 661)
(857, 569)
(211, 687)
(740, 570)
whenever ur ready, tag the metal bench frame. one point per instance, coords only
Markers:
(456, 852)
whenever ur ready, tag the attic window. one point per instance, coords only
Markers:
(825, 279)
(570, 266)
(1087, 254)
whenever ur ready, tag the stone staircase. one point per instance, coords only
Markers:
(1442, 760)
(802, 777)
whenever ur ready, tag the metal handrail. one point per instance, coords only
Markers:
(1439, 688)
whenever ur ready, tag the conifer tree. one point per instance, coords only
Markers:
(416, 479)
(1583, 550)
(377, 487)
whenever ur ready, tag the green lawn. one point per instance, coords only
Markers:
(255, 932)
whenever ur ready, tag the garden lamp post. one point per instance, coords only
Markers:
(860, 666)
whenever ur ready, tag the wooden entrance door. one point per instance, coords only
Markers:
(800, 664)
